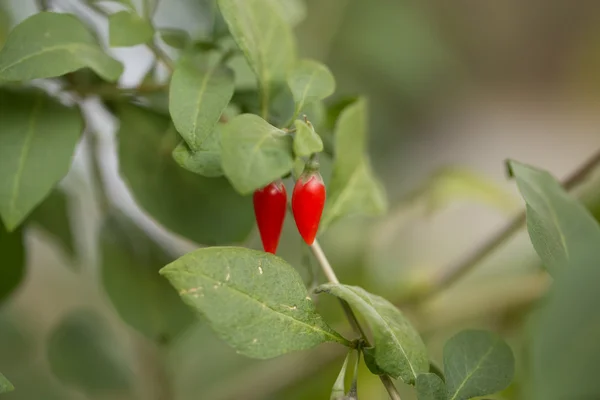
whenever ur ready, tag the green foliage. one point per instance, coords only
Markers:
(13, 260)
(430, 387)
(197, 100)
(306, 140)
(562, 230)
(130, 264)
(5, 385)
(253, 300)
(477, 363)
(205, 161)
(266, 40)
(52, 215)
(176, 38)
(32, 123)
(398, 348)
(310, 81)
(353, 189)
(190, 205)
(127, 28)
(254, 153)
(338, 391)
(49, 44)
(82, 353)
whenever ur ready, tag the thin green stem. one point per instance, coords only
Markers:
(97, 176)
(162, 56)
(452, 274)
(332, 278)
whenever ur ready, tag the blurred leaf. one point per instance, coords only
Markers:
(477, 363)
(563, 232)
(176, 38)
(5, 385)
(33, 123)
(306, 140)
(5, 22)
(12, 268)
(565, 350)
(128, 29)
(398, 348)
(197, 100)
(293, 11)
(266, 40)
(254, 300)
(353, 188)
(310, 81)
(452, 183)
(205, 210)
(254, 152)
(52, 215)
(126, 3)
(206, 161)
(143, 299)
(435, 369)
(430, 387)
(338, 391)
(51, 44)
(84, 353)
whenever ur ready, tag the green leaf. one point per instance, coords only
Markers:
(338, 391)
(253, 300)
(206, 161)
(50, 44)
(143, 299)
(12, 268)
(477, 363)
(265, 38)
(197, 100)
(5, 385)
(32, 123)
(293, 11)
(83, 353)
(563, 232)
(564, 346)
(195, 207)
(176, 38)
(310, 81)
(254, 153)
(306, 140)
(398, 348)
(52, 215)
(353, 189)
(127, 29)
(430, 387)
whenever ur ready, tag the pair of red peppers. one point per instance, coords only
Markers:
(270, 205)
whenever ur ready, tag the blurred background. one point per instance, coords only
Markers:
(454, 88)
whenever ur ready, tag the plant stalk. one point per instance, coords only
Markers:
(332, 278)
(455, 272)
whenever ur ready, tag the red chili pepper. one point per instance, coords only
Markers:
(269, 208)
(308, 200)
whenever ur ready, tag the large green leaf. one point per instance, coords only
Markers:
(197, 100)
(353, 189)
(266, 39)
(84, 353)
(254, 153)
(306, 140)
(563, 232)
(205, 210)
(143, 299)
(254, 300)
(310, 81)
(565, 350)
(37, 139)
(52, 215)
(205, 161)
(430, 387)
(398, 350)
(12, 267)
(127, 28)
(50, 44)
(5, 385)
(477, 363)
